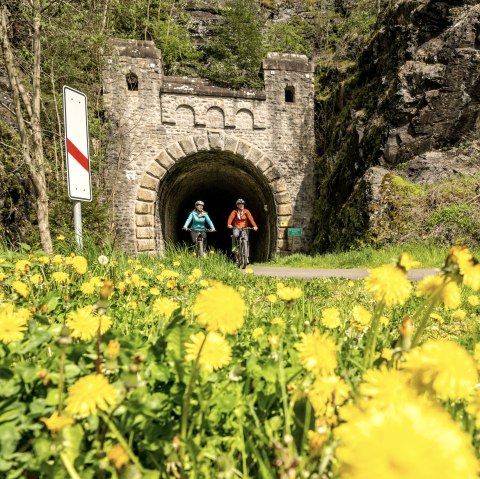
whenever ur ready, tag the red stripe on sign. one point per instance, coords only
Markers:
(77, 155)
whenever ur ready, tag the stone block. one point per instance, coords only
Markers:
(188, 146)
(272, 174)
(201, 142)
(230, 143)
(145, 232)
(243, 148)
(282, 198)
(254, 155)
(216, 140)
(145, 245)
(165, 160)
(282, 245)
(144, 220)
(283, 210)
(156, 170)
(143, 208)
(279, 185)
(175, 151)
(263, 164)
(146, 195)
(149, 182)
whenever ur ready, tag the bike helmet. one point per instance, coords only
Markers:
(199, 203)
(240, 201)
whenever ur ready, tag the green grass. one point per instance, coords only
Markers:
(429, 255)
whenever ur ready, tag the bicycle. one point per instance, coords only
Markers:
(241, 253)
(199, 243)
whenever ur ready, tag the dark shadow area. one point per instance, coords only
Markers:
(218, 179)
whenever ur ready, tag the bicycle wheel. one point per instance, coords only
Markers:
(243, 254)
(199, 245)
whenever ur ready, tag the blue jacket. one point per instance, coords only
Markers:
(198, 222)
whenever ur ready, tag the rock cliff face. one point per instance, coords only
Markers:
(413, 101)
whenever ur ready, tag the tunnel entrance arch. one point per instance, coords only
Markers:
(217, 169)
(218, 179)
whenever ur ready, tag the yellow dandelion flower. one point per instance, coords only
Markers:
(437, 317)
(196, 273)
(113, 349)
(56, 423)
(388, 284)
(176, 263)
(154, 291)
(213, 351)
(471, 277)
(316, 440)
(331, 318)
(318, 352)
(248, 271)
(60, 237)
(43, 259)
(132, 305)
(204, 283)
(22, 265)
(383, 387)
(36, 279)
(2, 276)
(434, 368)
(220, 308)
(384, 321)
(407, 262)
(87, 288)
(117, 456)
(84, 324)
(447, 292)
(278, 321)
(274, 341)
(60, 277)
(272, 298)
(21, 288)
(386, 354)
(167, 274)
(257, 332)
(121, 286)
(241, 289)
(473, 300)
(89, 394)
(13, 323)
(80, 264)
(451, 296)
(328, 391)
(57, 259)
(147, 271)
(361, 317)
(171, 284)
(459, 315)
(289, 294)
(473, 407)
(165, 307)
(415, 442)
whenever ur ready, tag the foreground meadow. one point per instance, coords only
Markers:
(173, 367)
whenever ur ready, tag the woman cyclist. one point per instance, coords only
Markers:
(198, 219)
(238, 219)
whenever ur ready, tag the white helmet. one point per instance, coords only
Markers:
(199, 203)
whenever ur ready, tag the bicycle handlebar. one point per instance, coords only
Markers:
(199, 231)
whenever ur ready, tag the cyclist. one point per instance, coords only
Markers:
(238, 219)
(199, 218)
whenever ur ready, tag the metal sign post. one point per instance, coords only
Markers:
(77, 146)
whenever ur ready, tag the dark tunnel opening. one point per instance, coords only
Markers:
(218, 179)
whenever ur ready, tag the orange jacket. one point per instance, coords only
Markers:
(243, 222)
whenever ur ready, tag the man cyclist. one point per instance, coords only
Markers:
(199, 218)
(238, 219)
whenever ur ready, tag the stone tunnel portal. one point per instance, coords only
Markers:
(218, 178)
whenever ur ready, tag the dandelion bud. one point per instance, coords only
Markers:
(106, 289)
(406, 330)
(113, 349)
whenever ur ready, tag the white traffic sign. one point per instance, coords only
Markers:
(77, 145)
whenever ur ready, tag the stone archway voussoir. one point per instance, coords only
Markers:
(188, 146)
(264, 164)
(243, 148)
(201, 142)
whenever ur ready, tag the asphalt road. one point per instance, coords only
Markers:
(310, 273)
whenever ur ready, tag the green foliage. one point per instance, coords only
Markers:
(287, 38)
(236, 49)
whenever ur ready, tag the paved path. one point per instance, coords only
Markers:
(310, 273)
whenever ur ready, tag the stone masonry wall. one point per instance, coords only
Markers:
(169, 119)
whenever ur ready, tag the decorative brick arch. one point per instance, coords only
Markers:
(149, 185)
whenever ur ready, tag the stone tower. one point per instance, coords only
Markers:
(175, 140)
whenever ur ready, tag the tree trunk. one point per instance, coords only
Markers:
(28, 117)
